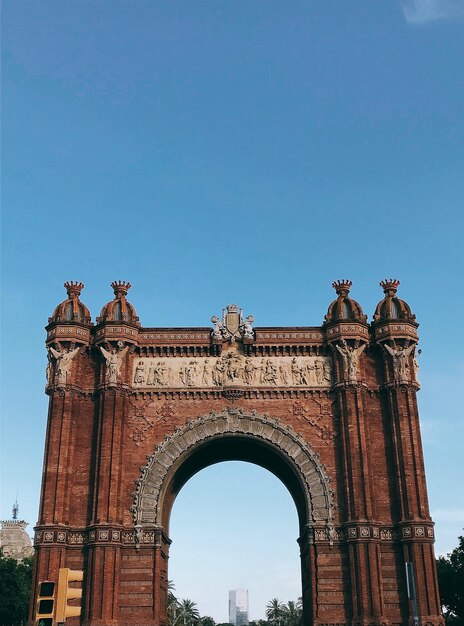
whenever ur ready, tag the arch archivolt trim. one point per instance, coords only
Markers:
(146, 507)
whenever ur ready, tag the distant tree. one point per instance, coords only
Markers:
(15, 590)
(207, 621)
(275, 610)
(172, 606)
(292, 614)
(451, 583)
(188, 613)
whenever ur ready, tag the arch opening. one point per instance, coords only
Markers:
(233, 448)
(235, 434)
(234, 525)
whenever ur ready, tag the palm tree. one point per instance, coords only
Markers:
(275, 611)
(292, 614)
(172, 606)
(188, 613)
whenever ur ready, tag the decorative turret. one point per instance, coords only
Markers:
(70, 322)
(391, 307)
(119, 309)
(347, 334)
(118, 321)
(395, 329)
(344, 308)
(71, 309)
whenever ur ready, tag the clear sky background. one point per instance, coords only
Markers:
(247, 151)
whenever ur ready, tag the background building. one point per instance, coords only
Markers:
(14, 540)
(238, 607)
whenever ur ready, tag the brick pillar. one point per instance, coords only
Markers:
(52, 514)
(362, 530)
(308, 575)
(105, 529)
(415, 524)
(160, 577)
(56, 466)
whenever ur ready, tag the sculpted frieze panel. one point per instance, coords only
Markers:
(231, 368)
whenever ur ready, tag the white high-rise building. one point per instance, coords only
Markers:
(238, 607)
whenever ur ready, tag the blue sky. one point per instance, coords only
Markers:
(218, 151)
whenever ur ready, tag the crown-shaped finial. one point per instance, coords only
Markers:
(342, 287)
(120, 287)
(389, 286)
(73, 288)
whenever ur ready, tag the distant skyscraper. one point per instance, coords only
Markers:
(238, 607)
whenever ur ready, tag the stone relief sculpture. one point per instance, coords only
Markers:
(283, 371)
(400, 361)
(350, 358)
(63, 363)
(230, 369)
(268, 373)
(139, 377)
(206, 374)
(113, 361)
(191, 373)
(249, 371)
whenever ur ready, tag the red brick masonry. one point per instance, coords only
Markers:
(331, 410)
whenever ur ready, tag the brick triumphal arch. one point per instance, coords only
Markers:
(331, 410)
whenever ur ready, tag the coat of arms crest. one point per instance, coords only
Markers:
(232, 327)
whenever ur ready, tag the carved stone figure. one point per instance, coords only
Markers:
(296, 372)
(283, 371)
(219, 372)
(247, 327)
(350, 358)
(415, 365)
(48, 371)
(319, 371)
(269, 373)
(191, 373)
(158, 375)
(113, 362)
(249, 371)
(217, 330)
(299, 373)
(232, 367)
(311, 369)
(400, 361)
(139, 377)
(206, 374)
(151, 375)
(63, 364)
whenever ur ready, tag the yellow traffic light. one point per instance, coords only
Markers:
(45, 607)
(64, 593)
